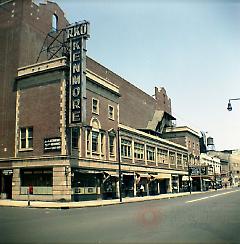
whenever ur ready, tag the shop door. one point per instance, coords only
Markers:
(7, 179)
(163, 186)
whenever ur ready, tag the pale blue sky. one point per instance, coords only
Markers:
(192, 48)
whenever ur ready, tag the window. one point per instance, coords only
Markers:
(54, 22)
(36, 177)
(185, 160)
(162, 156)
(88, 141)
(26, 138)
(111, 112)
(112, 145)
(179, 159)
(95, 106)
(150, 153)
(138, 150)
(172, 157)
(75, 137)
(102, 143)
(126, 148)
(95, 142)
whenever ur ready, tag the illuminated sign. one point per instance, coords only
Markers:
(77, 35)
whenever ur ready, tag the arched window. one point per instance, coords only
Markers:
(54, 22)
(96, 143)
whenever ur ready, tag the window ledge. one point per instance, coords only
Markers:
(25, 149)
(126, 157)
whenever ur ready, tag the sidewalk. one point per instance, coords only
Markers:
(96, 203)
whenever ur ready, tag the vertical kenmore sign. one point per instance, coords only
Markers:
(77, 35)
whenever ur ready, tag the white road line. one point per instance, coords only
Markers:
(203, 198)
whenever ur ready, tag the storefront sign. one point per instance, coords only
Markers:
(198, 170)
(7, 172)
(76, 36)
(52, 144)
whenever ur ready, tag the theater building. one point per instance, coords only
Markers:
(74, 123)
(81, 163)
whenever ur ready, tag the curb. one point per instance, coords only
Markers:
(85, 204)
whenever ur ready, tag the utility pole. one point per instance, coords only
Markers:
(119, 165)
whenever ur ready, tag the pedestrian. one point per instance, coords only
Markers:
(141, 190)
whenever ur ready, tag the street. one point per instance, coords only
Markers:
(210, 217)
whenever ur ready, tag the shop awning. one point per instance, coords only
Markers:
(186, 178)
(206, 180)
(111, 173)
(162, 176)
(144, 175)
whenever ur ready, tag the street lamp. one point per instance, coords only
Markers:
(119, 165)
(229, 107)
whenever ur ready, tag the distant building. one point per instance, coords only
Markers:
(187, 137)
(230, 163)
(212, 172)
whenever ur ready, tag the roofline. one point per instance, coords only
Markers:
(182, 129)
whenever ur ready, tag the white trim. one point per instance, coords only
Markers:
(100, 80)
(121, 126)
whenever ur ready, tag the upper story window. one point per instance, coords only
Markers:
(150, 153)
(111, 112)
(179, 159)
(185, 160)
(88, 140)
(26, 138)
(126, 148)
(162, 155)
(95, 106)
(95, 144)
(75, 137)
(112, 145)
(54, 22)
(172, 156)
(138, 150)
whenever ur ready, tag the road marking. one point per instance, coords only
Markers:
(203, 198)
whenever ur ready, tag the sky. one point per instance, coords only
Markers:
(191, 48)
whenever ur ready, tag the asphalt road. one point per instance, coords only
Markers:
(210, 218)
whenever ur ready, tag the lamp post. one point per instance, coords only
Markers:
(119, 165)
(189, 176)
(215, 178)
(229, 107)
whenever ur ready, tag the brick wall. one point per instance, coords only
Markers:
(23, 28)
(136, 107)
(39, 107)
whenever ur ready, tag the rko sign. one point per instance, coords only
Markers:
(77, 35)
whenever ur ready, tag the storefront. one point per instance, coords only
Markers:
(39, 179)
(185, 183)
(93, 185)
(175, 183)
(127, 185)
